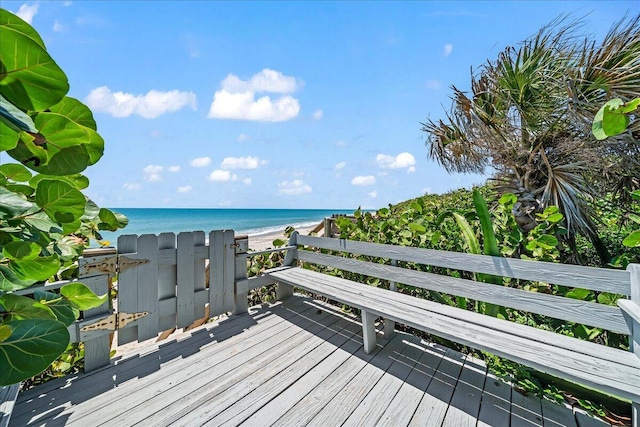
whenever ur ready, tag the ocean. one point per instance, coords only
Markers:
(243, 221)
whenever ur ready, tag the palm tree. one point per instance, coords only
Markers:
(528, 117)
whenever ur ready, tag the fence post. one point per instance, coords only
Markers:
(283, 290)
(241, 291)
(96, 350)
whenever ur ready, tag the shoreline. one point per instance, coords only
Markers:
(260, 242)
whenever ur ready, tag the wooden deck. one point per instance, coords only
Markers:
(299, 362)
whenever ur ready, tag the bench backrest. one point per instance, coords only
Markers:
(558, 307)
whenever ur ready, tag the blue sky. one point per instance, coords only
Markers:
(277, 105)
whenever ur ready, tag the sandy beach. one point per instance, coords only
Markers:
(265, 241)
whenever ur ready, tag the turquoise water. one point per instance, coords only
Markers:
(245, 221)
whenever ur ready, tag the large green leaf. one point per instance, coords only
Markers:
(13, 204)
(21, 251)
(69, 160)
(31, 347)
(15, 118)
(79, 181)
(39, 269)
(61, 131)
(28, 152)
(111, 220)
(61, 201)
(8, 137)
(632, 240)
(76, 111)
(60, 306)
(17, 307)
(30, 79)
(9, 281)
(41, 221)
(10, 20)
(81, 297)
(5, 332)
(15, 172)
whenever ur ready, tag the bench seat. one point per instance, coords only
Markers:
(607, 369)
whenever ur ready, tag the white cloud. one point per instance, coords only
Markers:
(173, 169)
(373, 194)
(184, 189)
(237, 98)
(318, 114)
(448, 48)
(242, 163)
(411, 169)
(151, 105)
(28, 11)
(243, 137)
(340, 165)
(433, 84)
(222, 176)
(265, 81)
(364, 180)
(200, 162)
(244, 106)
(152, 173)
(402, 160)
(294, 188)
(131, 186)
(59, 28)
(247, 181)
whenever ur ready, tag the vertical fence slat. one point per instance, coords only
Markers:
(148, 286)
(127, 288)
(185, 260)
(240, 267)
(229, 270)
(216, 278)
(96, 350)
(167, 278)
(199, 274)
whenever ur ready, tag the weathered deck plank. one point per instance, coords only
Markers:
(300, 362)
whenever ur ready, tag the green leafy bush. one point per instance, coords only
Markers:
(45, 220)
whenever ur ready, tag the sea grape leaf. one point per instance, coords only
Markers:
(76, 111)
(37, 269)
(8, 137)
(62, 202)
(28, 152)
(81, 297)
(30, 79)
(614, 122)
(9, 20)
(13, 204)
(632, 240)
(418, 228)
(79, 181)
(21, 251)
(109, 220)
(15, 118)
(5, 332)
(21, 189)
(60, 131)
(9, 281)
(61, 307)
(15, 172)
(18, 307)
(69, 160)
(31, 347)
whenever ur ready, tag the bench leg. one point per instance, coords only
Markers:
(283, 291)
(389, 328)
(635, 414)
(368, 331)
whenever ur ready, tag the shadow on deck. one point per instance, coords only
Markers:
(294, 363)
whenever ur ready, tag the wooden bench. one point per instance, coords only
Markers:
(607, 369)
